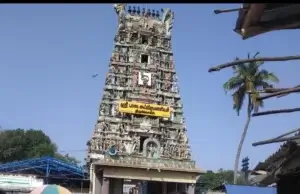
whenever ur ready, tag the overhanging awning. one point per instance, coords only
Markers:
(255, 19)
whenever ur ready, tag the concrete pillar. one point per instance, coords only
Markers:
(91, 179)
(98, 183)
(191, 189)
(116, 186)
(105, 186)
(96, 178)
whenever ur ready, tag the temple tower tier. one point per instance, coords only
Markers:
(140, 134)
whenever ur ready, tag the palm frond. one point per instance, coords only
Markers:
(267, 76)
(254, 66)
(255, 55)
(272, 77)
(256, 104)
(232, 84)
(248, 78)
(235, 67)
(238, 99)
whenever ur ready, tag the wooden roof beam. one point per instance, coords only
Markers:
(252, 17)
(279, 138)
(219, 11)
(280, 93)
(242, 61)
(272, 112)
(262, 18)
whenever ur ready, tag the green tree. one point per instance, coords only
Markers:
(20, 144)
(247, 79)
(211, 180)
(67, 158)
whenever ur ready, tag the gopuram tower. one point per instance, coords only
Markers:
(140, 138)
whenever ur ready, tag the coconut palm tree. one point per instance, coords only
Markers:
(247, 80)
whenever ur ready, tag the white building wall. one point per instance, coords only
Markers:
(19, 182)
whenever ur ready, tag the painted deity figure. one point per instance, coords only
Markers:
(152, 150)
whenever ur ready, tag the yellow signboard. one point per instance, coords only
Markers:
(144, 109)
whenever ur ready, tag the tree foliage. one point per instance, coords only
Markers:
(66, 158)
(211, 179)
(248, 78)
(20, 144)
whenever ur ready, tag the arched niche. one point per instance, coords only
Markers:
(148, 144)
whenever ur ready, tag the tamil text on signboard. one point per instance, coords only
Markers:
(144, 109)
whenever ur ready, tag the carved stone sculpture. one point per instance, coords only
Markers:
(151, 148)
(129, 147)
(142, 72)
(120, 10)
(168, 17)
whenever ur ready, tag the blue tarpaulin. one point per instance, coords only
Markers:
(241, 189)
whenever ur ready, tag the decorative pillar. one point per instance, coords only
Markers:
(96, 180)
(92, 174)
(105, 186)
(98, 183)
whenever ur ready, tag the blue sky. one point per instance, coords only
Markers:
(48, 54)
